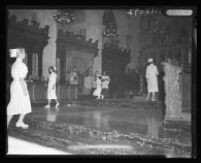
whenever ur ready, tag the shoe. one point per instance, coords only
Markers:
(98, 98)
(47, 106)
(22, 125)
(153, 100)
(56, 106)
(102, 97)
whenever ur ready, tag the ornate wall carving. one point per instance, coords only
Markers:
(173, 98)
(31, 37)
(114, 62)
(75, 50)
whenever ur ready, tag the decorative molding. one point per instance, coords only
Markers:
(115, 60)
(77, 40)
(31, 37)
(33, 28)
(116, 52)
(173, 98)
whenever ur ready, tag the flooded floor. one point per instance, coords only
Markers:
(132, 131)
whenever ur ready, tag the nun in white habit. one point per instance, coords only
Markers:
(19, 100)
(51, 90)
(152, 79)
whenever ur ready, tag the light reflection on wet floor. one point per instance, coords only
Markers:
(127, 121)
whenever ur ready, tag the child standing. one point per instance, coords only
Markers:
(98, 89)
(51, 90)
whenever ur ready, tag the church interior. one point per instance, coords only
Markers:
(118, 42)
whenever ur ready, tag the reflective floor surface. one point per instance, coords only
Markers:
(106, 130)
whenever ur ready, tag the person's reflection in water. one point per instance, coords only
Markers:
(101, 120)
(105, 121)
(97, 118)
(87, 119)
(52, 115)
(153, 127)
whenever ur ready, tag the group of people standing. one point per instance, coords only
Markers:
(19, 96)
(98, 85)
(20, 100)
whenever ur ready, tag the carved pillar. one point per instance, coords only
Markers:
(173, 98)
(29, 54)
(63, 67)
(40, 62)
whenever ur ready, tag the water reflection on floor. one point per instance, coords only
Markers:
(141, 121)
(148, 122)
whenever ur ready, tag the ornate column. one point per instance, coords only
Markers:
(63, 64)
(173, 98)
(40, 62)
(29, 54)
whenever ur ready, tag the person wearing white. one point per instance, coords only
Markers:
(20, 100)
(152, 79)
(105, 84)
(97, 91)
(51, 90)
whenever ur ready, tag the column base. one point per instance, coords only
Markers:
(179, 117)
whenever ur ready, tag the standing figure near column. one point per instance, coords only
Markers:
(105, 84)
(87, 84)
(94, 84)
(152, 79)
(51, 90)
(98, 89)
(74, 82)
(19, 101)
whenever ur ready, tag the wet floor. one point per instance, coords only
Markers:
(144, 121)
(147, 122)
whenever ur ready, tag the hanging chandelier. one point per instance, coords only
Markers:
(110, 32)
(64, 16)
(109, 22)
